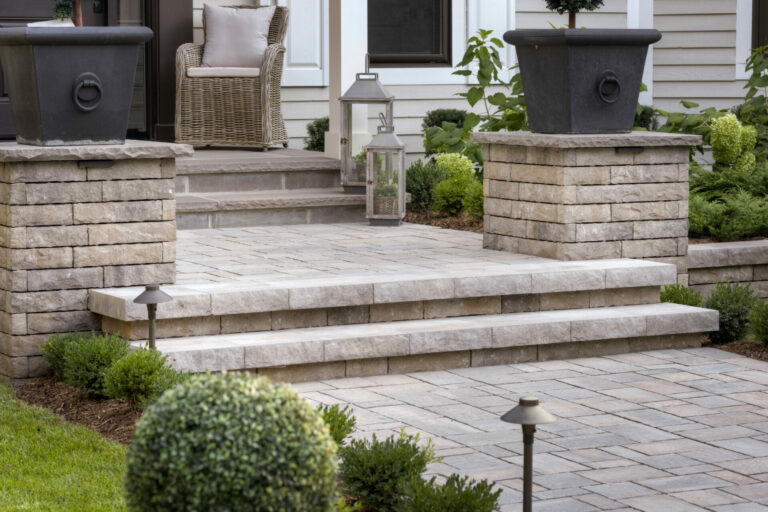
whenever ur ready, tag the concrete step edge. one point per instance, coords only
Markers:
(230, 298)
(189, 167)
(417, 337)
(278, 199)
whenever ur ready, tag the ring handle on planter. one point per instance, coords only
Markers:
(609, 88)
(83, 83)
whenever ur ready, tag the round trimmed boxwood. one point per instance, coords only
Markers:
(231, 442)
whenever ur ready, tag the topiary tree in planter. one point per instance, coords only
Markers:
(231, 442)
(572, 7)
(66, 9)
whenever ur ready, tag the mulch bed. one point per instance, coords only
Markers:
(113, 419)
(745, 348)
(462, 222)
(707, 240)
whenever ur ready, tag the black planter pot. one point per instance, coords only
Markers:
(70, 86)
(581, 80)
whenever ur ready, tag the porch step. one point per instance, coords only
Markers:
(213, 170)
(267, 208)
(274, 304)
(482, 335)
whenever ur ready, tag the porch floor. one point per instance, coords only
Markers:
(269, 253)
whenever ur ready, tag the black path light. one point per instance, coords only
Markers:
(152, 296)
(528, 414)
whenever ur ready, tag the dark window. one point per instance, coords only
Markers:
(760, 27)
(409, 32)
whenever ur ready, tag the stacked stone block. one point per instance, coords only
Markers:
(73, 219)
(745, 263)
(578, 197)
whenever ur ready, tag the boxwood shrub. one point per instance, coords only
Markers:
(457, 494)
(735, 303)
(758, 322)
(680, 294)
(375, 472)
(86, 360)
(231, 442)
(140, 377)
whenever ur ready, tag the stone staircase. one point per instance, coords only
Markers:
(225, 188)
(360, 325)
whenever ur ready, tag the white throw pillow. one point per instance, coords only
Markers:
(236, 37)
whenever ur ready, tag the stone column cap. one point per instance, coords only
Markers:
(598, 140)
(140, 149)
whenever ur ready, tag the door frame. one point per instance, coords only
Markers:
(171, 21)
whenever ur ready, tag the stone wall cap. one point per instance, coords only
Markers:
(601, 140)
(728, 254)
(141, 149)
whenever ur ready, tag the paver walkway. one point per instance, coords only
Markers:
(661, 431)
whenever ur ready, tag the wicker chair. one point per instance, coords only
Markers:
(232, 111)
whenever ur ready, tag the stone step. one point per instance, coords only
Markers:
(554, 334)
(236, 170)
(215, 161)
(223, 171)
(267, 208)
(274, 304)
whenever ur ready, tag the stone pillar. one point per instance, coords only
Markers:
(579, 197)
(75, 218)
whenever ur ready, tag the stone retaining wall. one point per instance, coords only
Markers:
(737, 262)
(75, 218)
(576, 197)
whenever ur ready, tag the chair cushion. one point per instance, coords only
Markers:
(235, 37)
(204, 72)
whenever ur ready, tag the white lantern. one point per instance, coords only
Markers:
(355, 131)
(385, 179)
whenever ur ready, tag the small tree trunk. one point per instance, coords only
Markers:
(77, 13)
(571, 18)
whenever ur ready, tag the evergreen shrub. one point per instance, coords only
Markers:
(231, 442)
(735, 303)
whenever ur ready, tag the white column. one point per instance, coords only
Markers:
(348, 44)
(743, 37)
(640, 15)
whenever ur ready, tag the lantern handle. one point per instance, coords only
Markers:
(385, 127)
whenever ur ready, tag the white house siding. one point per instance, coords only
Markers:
(696, 58)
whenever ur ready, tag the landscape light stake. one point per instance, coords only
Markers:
(528, 414)
(152, 296)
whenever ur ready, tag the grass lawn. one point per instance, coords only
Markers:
(49, 465)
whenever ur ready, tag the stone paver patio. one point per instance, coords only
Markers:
(661, 431)
(331, 250)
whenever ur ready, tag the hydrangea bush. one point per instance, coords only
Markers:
(732, 143)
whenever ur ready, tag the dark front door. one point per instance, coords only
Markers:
(18, 12)
(760, 27)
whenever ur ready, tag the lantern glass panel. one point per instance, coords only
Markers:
(386, 177)
(360, 120)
